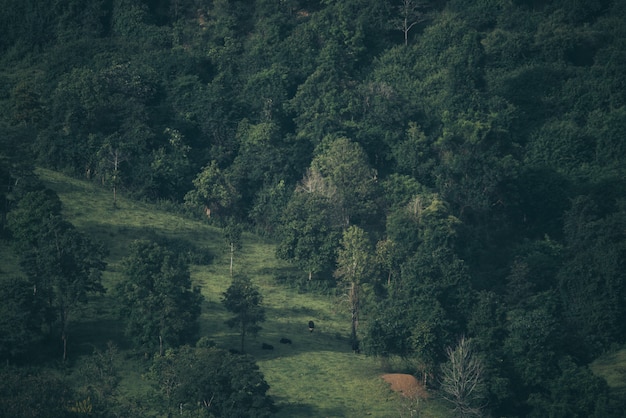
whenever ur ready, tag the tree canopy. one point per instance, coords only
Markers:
(477, 145)
(157, 298)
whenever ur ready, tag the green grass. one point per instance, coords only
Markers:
(316, 376)
(612, 367)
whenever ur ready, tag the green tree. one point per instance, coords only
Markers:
(214, 191)
(355, 267)
(206, 381)
(170, 167)
(388, 331)
(387, 257)
(344, 165)
(20, 318)
(592, 279)
(244, 300)
(270, 203)
(534, 342)
(575, 392)
(158, 301)
(99, 375)
(63, 265)
(33, 393)
(309, 233)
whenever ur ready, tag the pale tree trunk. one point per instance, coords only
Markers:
(353, 296)
(232, 254)
(64, 319)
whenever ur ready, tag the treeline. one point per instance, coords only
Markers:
(456, 166)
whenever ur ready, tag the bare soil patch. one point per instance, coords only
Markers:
(406, 384)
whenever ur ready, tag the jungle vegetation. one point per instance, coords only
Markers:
(454, 169)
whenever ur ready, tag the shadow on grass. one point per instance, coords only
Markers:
(289, 410)
(117, 238)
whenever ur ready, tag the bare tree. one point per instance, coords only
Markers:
(111, 157)
(411, 13)
(462, 380)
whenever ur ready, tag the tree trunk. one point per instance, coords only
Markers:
(243, 336)
(160, 346)
(354, 302)
(64, 338)
(232, 252)
(64, 319)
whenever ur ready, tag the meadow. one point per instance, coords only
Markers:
(317, 375)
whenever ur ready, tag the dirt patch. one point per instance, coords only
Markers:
(406, 384)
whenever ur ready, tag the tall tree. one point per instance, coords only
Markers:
(309, 234)
(34, 393)
(63, 264)
(20, 318)
(232, 233)
(410, 13)
(206, 381)
(243, 299)
(355, 265)
(592, 280)
(344, 165)
(214, 192)
(158, 300)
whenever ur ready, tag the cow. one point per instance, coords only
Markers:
(285, 341)
(266, 346)
(311, 326)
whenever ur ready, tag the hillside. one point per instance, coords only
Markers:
(316, 376)
(453, 168)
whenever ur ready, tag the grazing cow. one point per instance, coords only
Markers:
(311, 326)
(266, 346)
(285, 341)
(233, 351)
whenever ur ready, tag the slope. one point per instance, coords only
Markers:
(317, 375)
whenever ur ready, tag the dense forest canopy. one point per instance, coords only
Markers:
(470, 154)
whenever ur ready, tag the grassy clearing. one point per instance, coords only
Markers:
(315, 376)
(612, 367)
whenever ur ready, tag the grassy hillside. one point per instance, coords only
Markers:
(612, 367)
(316, 376)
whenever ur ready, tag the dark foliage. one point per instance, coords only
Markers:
(478, 143)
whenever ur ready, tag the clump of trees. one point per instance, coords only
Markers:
(160, 306)
(62, 267)
(207, 381)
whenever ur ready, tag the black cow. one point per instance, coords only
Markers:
(285, 341)
(266, 346)
(311, 326)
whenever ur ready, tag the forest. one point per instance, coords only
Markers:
(453, 170)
